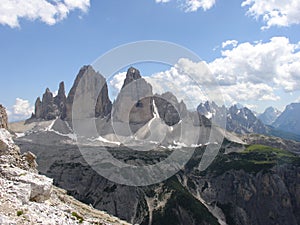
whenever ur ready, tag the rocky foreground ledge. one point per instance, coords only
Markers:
(29, 198)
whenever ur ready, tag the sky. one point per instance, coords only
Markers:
(251, 47)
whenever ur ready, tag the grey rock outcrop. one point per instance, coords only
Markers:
(38, 108)
(3, 117)
(60, 99)
(103, 104)
(134, 104)
(169, 109)
(50, 107)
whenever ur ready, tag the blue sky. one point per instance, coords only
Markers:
(40, 48)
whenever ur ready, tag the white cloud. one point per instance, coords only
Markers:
(118, 80)
(189, 81)
(227, 43)
(275, 63)
(246, 72)
(275, 12)
(49, 12)
(21, 110)
(192, 5)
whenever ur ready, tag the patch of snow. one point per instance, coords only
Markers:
(209, 115)
(181, 144)
(102, 139)
(174, 147)
(72, 136)
(20, 135)
(196, 146)
(49, 128)
(155, 112)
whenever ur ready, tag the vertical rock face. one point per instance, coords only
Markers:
(169, 109)
(134, 104)
(132, 75)
(3, 117)
(103, 104)
(38, 108)
(51, 107)
(60, 99)
(61, 106)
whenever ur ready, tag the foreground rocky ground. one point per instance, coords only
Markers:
(29, 198)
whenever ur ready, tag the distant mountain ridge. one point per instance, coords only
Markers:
(289, 120)
(242, 120)
(238, 119)
(269, 116)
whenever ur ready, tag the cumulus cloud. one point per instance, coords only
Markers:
(22, 109)
(233, 43)
(246, 72)
(275, 12)
(192, 5)
(49, 12)
(117, 81)
(276, 63)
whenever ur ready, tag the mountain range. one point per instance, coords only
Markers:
(242, 120)
(252, 179)
(238, 119)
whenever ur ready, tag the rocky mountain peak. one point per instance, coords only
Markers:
(61, 89)
(131, 75)
(269, 115)
(289, 119)
(134, 104)
(60, 99)
(169, 109)
(94, 80)
(3, 117)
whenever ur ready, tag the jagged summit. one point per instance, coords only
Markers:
(50, 107)
(289, 119)
(269, 115)
(103, 105)
(131, 75)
